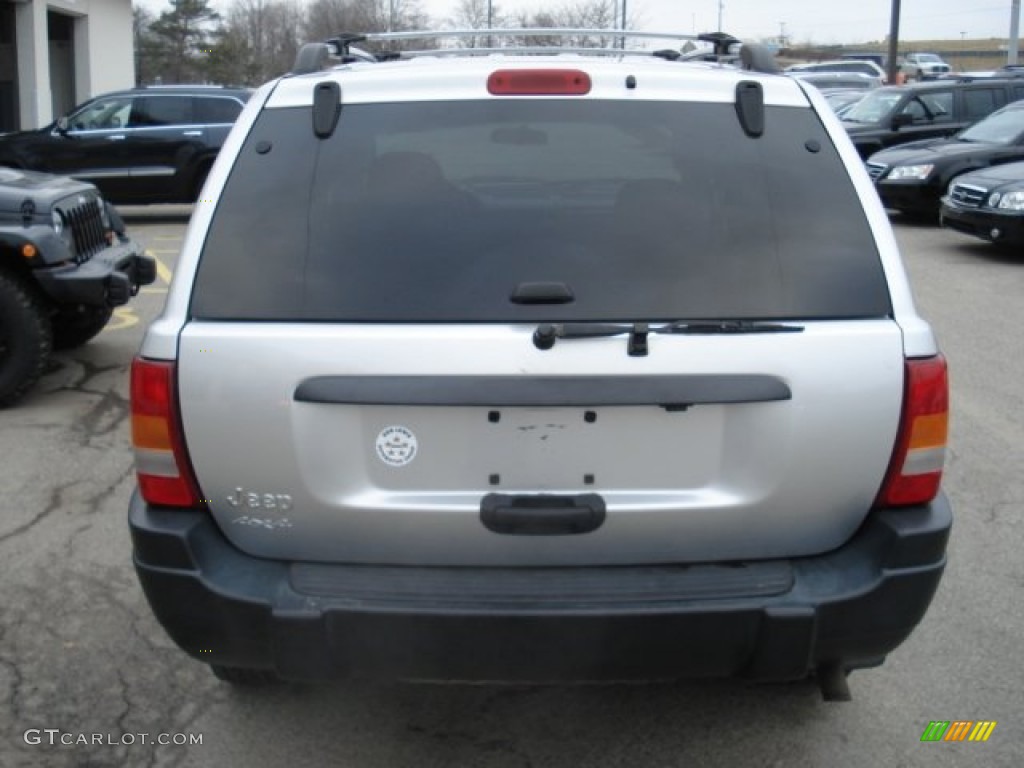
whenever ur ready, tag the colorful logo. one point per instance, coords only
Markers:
(958, 730)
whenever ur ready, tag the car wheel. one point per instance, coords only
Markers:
(26, 338)
(244, 677)
(73, 326)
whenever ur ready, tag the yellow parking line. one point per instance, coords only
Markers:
(163, 271)
(152, 290)
(164, 251)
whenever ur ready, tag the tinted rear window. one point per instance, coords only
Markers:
(436, 212)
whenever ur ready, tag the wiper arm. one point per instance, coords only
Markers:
(547, 333)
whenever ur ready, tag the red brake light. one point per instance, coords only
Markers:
(538, 82)
(161, 462)
(915, 470)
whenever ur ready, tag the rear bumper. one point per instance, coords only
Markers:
(775, 620)
(110, 278)
(986, 224)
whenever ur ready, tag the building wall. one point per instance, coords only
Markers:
(103, 53)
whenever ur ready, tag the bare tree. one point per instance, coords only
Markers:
(473, 14)
(259, 39)
(328, 18)
(582, 14)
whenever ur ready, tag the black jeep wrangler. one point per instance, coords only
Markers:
(65, 263)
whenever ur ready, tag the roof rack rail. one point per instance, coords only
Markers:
(313, 57)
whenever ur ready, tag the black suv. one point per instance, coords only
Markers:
(900, 114)
(146, 145)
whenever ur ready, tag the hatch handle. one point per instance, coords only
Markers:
(542, 514)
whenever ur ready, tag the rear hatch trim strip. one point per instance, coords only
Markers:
(696, 389)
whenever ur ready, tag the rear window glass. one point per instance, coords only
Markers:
(437, 212)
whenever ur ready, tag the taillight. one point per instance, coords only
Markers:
(538, 82)
(916, 467)
(161, 463)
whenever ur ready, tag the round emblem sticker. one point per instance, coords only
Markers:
(396, 446)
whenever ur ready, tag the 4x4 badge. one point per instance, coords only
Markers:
(396, 446)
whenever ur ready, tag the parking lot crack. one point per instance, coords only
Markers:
(55, 501)
(14, 695)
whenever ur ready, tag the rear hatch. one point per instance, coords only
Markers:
(368, 366)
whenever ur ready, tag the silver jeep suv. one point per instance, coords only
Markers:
(563, 366)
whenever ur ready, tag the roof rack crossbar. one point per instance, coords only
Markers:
(527, 50)
(313, 56)
(534, 32)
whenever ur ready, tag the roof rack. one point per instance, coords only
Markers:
(313, 57)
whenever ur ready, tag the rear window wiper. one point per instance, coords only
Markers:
(547, 333)
(728, 326)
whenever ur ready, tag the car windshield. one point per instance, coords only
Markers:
(999, 128)
(874, 106)
(928, 58)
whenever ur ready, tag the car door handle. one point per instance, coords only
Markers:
(191, 133)
(119, 137)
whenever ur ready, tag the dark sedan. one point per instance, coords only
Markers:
(913, 177)
(988, 204)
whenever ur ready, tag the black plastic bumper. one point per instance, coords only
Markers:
(775, 620)
(110, 278)
(994, 227)
(909, 196)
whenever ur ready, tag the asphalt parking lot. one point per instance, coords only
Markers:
(83, 660)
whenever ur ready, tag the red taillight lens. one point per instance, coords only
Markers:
(538, 82)
(161, 463)
(916, 467)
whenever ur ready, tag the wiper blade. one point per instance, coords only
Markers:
(728, 327)
(547, 333)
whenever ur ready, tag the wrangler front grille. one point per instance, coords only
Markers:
(87, 230)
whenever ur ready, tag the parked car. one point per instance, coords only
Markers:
(833, 80)
(896, 115)
(65, 263)
(842, 99)
(988, 204)
(878, 59)
(922, 66)
(912, 178)
(145, 145)
(858, 66)
(553, 367)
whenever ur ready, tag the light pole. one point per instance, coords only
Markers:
(1011, 56)
(894, 41)
(721, 5)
